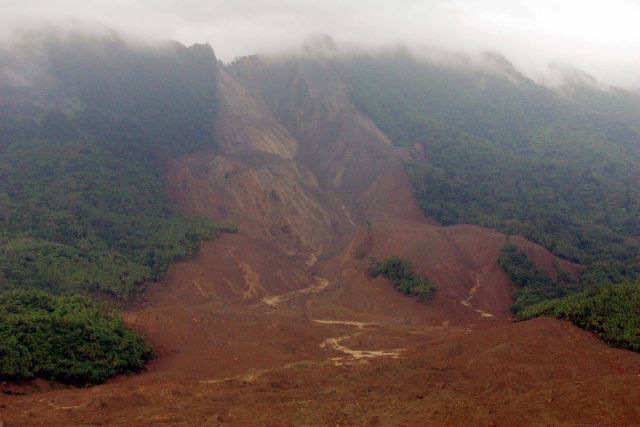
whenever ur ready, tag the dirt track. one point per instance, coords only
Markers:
(280, 324)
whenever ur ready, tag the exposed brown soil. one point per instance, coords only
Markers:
(280, 324)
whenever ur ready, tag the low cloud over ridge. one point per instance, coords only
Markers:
(598, 36)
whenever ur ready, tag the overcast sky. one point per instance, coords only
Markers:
(601, 37)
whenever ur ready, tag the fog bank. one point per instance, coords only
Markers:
(599, 37)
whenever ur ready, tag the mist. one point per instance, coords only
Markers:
(599, 37)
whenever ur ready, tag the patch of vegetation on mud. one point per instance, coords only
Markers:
(70, 339)
(402, 276)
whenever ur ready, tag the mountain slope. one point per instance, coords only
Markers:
(500, 151)
(289, 328)
(84, 140)
(87, 127)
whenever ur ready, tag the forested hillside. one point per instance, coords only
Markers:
(87, 125)
(82, 199)
(559, 167)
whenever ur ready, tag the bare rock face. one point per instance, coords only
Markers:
(341, 145)
(245, 124)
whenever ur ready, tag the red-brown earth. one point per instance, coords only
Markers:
(280, 324)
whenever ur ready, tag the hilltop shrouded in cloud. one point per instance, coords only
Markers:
(597, 36)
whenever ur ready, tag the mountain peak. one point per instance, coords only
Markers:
(319, 43)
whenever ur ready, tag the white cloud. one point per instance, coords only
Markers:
(600, 36)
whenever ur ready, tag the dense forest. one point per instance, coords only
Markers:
(610, 311)
(82, 199)
(560, 167)
(84, 138)
(70, 339)
(533, 285)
